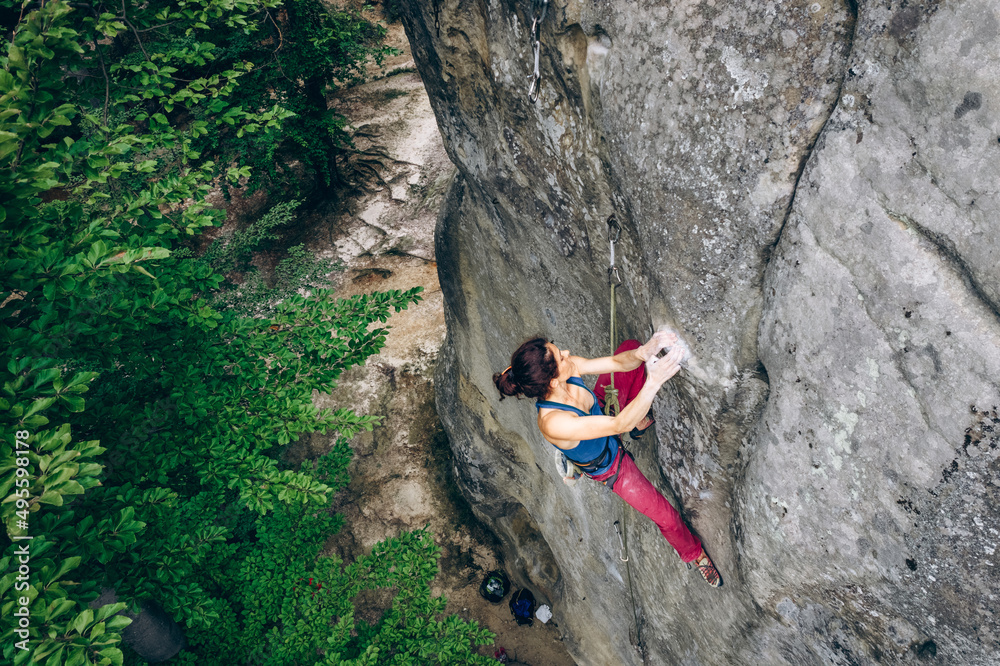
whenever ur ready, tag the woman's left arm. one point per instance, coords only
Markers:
(627, 360)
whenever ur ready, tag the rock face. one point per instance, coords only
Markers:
(806, 192)
(153, 634)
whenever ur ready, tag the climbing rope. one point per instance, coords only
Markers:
(611, 408)
(623, 538)
(538, 10)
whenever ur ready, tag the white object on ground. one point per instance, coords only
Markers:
(544, 613)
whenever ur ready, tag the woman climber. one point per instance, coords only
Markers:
(570, 418)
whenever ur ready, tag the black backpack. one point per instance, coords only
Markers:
(522, 606)
(494, 587)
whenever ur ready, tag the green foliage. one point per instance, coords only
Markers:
(300, 267)
(315, 598)
(233, 253)
(142, 424)
(392, 10)
(250, 294)
(311, 49)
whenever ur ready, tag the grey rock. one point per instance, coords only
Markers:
(809, 194)
(153, 634)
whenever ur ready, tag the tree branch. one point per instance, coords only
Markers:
(155, 27)
(138, 38)
(281, 39)
(107, 84)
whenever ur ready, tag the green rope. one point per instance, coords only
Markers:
(612, 408)
(628, 574)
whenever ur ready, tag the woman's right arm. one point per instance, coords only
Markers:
(627, 360)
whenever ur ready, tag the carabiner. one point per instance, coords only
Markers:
(614, 228)
(538, 10)
(535, 76)
(614, 233)
(621, 556)
(614, 277)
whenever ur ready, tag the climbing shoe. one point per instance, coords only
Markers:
(707, 569)
(637, 432)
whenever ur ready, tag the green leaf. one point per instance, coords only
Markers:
(73, 403)
(76, 657)
(117, 623)
(55, 658)
(109, 610)
(80, 623)
(156, 253)
(51, 497)
(114, 654)
(39, 405)
(66, 566)
(57, 608)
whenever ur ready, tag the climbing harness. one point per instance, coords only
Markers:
(611, 408)
(538, 10)
(610, 481)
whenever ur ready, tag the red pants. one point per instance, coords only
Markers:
(628, 383)
(631, 485)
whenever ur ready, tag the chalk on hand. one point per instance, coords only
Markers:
(680, 343)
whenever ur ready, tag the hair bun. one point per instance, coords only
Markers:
(506, 383)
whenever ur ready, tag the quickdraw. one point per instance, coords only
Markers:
(622, 555)
(538, 10)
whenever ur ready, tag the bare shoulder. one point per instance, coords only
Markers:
(551, 421)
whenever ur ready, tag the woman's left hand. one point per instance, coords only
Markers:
(661, 369)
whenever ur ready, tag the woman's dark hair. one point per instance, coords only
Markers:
(531, 369)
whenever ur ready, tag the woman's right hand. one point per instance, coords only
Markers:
(659, 370)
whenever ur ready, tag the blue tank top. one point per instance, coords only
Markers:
(593, 456)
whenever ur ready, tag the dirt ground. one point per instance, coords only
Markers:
(402, 473)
